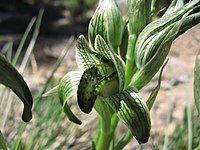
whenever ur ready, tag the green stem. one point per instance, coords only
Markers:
(105, 133)
(124, 141)
(114, 121)
(98, 131)
(105, 136)
(189, 121)
(130, 60)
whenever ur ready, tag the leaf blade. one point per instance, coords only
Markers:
(10, 77)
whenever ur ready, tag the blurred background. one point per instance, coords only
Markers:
(174, 116)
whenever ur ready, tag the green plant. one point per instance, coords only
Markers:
(120, 58)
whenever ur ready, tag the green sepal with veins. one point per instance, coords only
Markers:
(101, 54)
(67, 88)
(107, 22)
(86, 56)
(191, 20)
(133, 111)
(103, 49)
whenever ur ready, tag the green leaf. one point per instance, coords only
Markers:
(133, 111)
(197, 82)
(67, 88)
(10, 77)
(2, 142)
(103, 49)
(23, 40)
(154, 93)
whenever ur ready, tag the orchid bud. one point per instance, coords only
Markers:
(154, 42)
(139, 15)
(153, 35)
(107, 22)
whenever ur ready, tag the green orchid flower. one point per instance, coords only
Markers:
(118, 61)
(103, 81)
